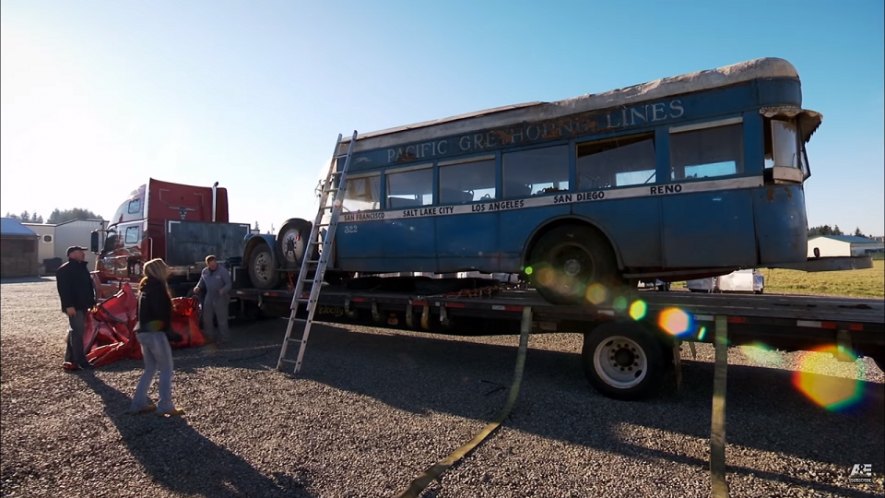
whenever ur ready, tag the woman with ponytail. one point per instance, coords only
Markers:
(154, 321)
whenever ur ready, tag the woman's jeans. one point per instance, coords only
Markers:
(157, 357)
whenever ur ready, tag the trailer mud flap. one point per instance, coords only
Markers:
(437, 470)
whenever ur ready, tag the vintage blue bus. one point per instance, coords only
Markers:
(686, 176)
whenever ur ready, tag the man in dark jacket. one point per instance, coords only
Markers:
(77, 294)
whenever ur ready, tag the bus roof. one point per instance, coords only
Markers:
(763, 68)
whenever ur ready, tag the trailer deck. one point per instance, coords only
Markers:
(786, 322)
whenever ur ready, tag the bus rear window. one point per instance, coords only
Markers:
(706, 153)
(363, 194)
(616, 162)
(410, 188)
(536, 171)
(467, 182)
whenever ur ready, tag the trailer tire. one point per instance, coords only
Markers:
(568, 259)
(292, 240)
(623, 360)
(262, 271)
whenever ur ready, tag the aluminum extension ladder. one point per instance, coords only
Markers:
(334, 186)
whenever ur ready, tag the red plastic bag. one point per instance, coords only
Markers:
(186, 323)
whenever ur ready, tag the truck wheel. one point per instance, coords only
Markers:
(261, 268)
(291, 241)
(567, 260)
(623, 360)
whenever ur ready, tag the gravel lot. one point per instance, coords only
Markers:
(374, 408)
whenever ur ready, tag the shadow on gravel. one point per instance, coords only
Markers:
(422, 374)
(22, 280)
(179, 458)
(764, 411)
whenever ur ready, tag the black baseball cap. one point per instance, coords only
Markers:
(75, 248)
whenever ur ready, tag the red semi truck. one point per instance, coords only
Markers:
(179, 223)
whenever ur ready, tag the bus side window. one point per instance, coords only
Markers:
(618, 162)
(515, 189)
(363, 193)
(467, 182)
(410, 188)
(707, 152)
(536, 171)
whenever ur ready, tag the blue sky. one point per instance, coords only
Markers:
(99, 95)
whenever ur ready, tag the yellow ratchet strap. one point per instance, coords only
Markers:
(437, 470)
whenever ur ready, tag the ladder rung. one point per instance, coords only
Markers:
(295, 340)
(285, 360)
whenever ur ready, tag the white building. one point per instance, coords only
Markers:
(843, 245)
(55, 240)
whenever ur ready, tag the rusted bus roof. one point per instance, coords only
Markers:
(532, 111)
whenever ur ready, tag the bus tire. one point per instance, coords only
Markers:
(623, 360)
(292, 240)
(568, 259)
(262, 272)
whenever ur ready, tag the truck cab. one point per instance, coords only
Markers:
(179, 223)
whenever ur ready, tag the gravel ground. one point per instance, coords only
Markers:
(374, 408)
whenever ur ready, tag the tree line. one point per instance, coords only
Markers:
(827, 230)
(57, 216)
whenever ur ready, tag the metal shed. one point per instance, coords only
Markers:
(18, 250)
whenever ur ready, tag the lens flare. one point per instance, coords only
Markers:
(528, 270)
(596, 293)
(761, 354)
(674, 321)
(702, 333)
(638, 309)
(619, 303)
(828, 391)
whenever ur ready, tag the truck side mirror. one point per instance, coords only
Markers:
(93, 241)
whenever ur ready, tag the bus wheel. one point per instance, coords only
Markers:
(567, 260)
(622, 360)
(291, 241)
(261, 268)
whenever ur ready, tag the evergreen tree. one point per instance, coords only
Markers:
(59, 216)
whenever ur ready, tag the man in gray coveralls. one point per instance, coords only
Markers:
(215, 285)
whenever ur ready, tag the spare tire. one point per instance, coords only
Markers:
(262, 271)
(292, 239)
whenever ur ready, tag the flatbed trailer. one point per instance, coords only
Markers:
(630, 342)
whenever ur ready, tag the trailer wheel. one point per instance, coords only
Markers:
(261, 268)
(292, 240)
(623, 360)
(567, 260)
